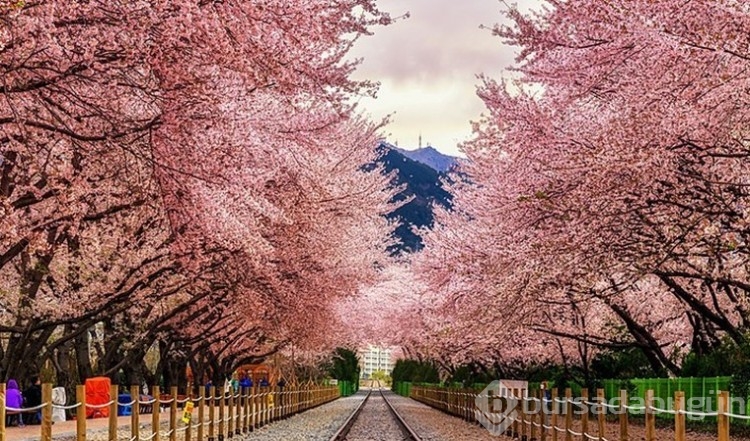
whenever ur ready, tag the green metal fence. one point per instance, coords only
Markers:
(700, 393)
(347, 388)
(665, 387)
(402, 388)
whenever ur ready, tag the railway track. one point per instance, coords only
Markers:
(375, 419)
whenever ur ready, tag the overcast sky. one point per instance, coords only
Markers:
(427, 66)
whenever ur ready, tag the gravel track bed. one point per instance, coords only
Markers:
(375, 422)
(317, 424)
(433, 425)
(637, 432)
(123, 433)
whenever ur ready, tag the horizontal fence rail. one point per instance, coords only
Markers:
(545, 415)
(208, 413)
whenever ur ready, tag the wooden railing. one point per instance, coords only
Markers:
(538, 416)
(214, 414)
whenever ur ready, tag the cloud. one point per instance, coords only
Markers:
(427, 66)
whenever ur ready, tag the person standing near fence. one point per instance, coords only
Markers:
(235, 382)
(33, 397)
(13, 399)
(546, 395)
(246, 382)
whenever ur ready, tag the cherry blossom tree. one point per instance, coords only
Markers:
(608, 183)
(187, 175)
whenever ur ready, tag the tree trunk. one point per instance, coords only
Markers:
(83, 358)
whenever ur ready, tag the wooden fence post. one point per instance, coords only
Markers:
(260, 406)
(211, 412)
(238, 413)
(246, 392)
(221, 414)
(81, 413)
(46, 412)
(602, 412)
(292, 400)
(135, 430)
(650, 416)
(189, 424)
(679, 417)
(201, 410)
(2, 412)
(462, 404)
(533, 414)
(273, 404)
(723, 419)
(260, 409)
(448, 401)
(155, 409)
(230, 412)
(113, 392)
(514, 393)
(173, 414)
(265, 406)
(524, 405)
(543, 415)
(623, 415)
(584, 414)
(283, 402)
(490, 400)
(568, 406)
(296, 398)
(554, 414)
(252, 408)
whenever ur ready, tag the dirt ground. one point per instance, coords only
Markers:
(637, 431)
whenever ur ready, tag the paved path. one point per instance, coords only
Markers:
(68, 428)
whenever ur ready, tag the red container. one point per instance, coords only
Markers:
(97, 393)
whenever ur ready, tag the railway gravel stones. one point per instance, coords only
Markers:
(315, 424)
(318, 424)
(375, 422)
(433, 425)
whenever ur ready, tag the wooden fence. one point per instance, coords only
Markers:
(214, 414)
(534, 416)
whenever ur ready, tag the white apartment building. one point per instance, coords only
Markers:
(375, 359)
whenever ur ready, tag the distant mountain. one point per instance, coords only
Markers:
(423, 183)
(431, 157)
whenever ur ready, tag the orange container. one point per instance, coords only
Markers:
(97, 393)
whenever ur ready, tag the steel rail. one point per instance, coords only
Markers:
(340, 434)
(408, 431)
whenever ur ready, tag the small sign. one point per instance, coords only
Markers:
(188, 413)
